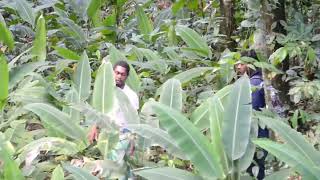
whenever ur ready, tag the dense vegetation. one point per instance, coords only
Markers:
(56, 80)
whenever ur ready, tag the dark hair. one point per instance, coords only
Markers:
(250, 53)
(122, 64)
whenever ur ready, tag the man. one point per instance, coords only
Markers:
(121, 71)
(258, 102)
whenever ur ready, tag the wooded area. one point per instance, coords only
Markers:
(194, 122)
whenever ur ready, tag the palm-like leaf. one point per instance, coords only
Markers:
(57, 173)
(144, 23)
(194, 41)
(25, 11)
(57, 120)
(39, 48)
(6, 35)
(104, 89)
(167, 173)
(82, 77)
(171, 94)
(157, 136)
(237, 119)
(294, 139)
(293, 158)
(79, 173)
(4, 85)
(196, 147)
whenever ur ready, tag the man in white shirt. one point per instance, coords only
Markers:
(121, 72)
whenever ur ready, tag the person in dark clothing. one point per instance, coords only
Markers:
(258, 102)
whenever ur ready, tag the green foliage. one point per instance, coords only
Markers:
(190, 140)
(194, 41)
(25, 11)
(144, 23)
(57, 173)
(236, 127)
(57, 120)
(6, 37)
(103, 97)
(10, 168)
(39, 48)
(177, 50)
(171, 94)
(4, 86)
(82, 77)
(167, 173)
(79, 173)
(66, 53)
(157, 136)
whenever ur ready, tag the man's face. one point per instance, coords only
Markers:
(120, 75)
(241, 68)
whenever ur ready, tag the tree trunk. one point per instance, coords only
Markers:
(260, 38)
(228, 25)
(283, 87)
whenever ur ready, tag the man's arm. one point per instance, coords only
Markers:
(94, 133)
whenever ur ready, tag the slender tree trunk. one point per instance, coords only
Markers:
(283, 87)
(228, 25)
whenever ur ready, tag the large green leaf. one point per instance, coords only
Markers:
(6, 35)
(294, 139)
(66, 53)
(278, 56)
(144, 23)
(72, 97)
(73, 29)
(128, 111)
(158, 137)
(187, 75)
(53, 144)
(107, 142)
(293, 158)
(10, 169)
(82, 77)
(79, 174)
(4, 85)
(94, 11)
(15, 59)
(133, 80)
(25, 11)
(200, 116)
(237, 119)
(39, 48)
(18, 73)
(194, 41)
(171, 94)
(216, 111)
(104, 89)
(246, 159)
(29, 93)
(167, 173)
(195, 145)
(155, 62)
(57, 120)
(57, 173)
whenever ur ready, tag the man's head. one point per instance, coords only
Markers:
(243, 67)
(121, 72)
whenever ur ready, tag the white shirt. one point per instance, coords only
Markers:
(134, 101)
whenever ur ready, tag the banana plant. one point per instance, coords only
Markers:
(302, 157)
(227, 151)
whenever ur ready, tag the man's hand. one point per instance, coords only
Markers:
(93, 134)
